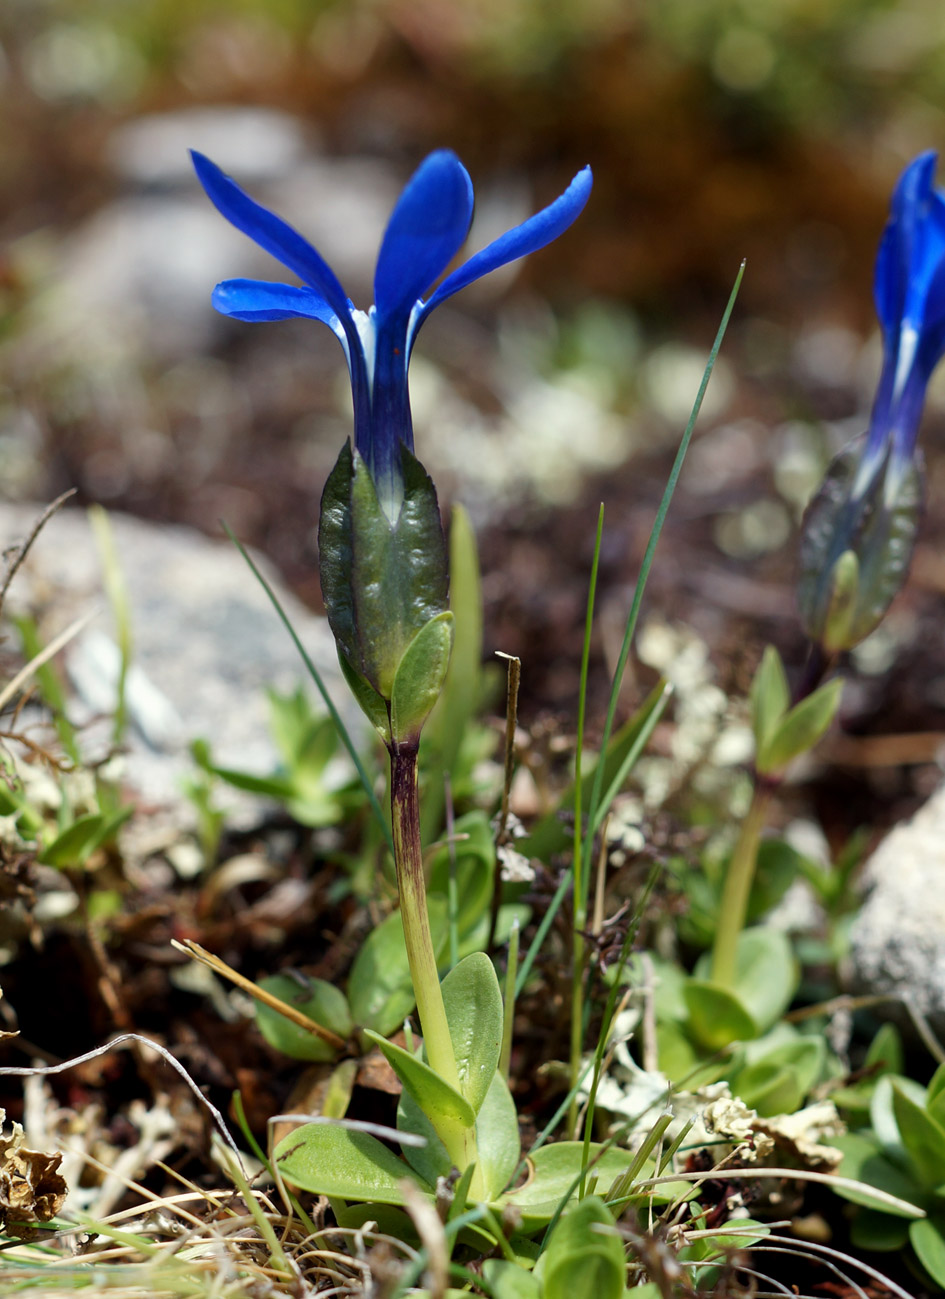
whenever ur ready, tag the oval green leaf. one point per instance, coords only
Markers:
(330, 1160)
(319, 1001)
(585, 1255)
(474, 1013)
(434, 1096)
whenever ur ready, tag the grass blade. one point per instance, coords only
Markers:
(596, 790)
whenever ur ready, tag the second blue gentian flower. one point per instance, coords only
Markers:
(860, 530)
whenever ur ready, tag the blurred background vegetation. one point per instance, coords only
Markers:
(717, 129)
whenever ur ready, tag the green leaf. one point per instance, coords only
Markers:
(369, 701)
(463, 688)
(278, 787)
(434, 1096)
(320, 1001)
(431, 1160)
(864, 1161)
(935, 1099)
(509, 1280)
(337, 1095)
(779, 1081)
(885, 1051)
(380, 990)
(927, 1238)
(419, 677)
(873, 1230)
(766, 974)
(717, 1016)
(880, 537)
(473, 1003)
(922, 1137)
(800, 730)
(585, 1255)
(769, 697)
(382, 580)
(76, 843)
(554, 1170)
(497, 1137)
(330, 1160)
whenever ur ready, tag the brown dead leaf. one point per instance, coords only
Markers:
(32, 1189)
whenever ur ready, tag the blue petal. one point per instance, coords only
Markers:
(528, 237)
(426, 230)
(264, 300)
(271, 233)
(901, 250)
(288, 246)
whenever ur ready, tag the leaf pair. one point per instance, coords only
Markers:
(783, 733)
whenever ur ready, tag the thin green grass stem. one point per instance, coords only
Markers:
(263, 1225)
(582, 707)
(629, 762)
(320, 685)
(737, 889)
(577, 866)
(594, 808)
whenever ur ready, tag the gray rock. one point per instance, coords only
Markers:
(898, 938)
(206, 641)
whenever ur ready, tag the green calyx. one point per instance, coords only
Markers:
(855, 552)
(385, 585)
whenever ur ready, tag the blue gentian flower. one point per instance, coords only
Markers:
(910, 303)
(426, 229)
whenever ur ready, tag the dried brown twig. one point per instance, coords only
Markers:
(20, 552)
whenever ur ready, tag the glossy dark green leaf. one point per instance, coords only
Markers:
(382, 581)
(370, 702)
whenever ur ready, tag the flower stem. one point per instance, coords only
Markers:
(738, 881)
(408, 857)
